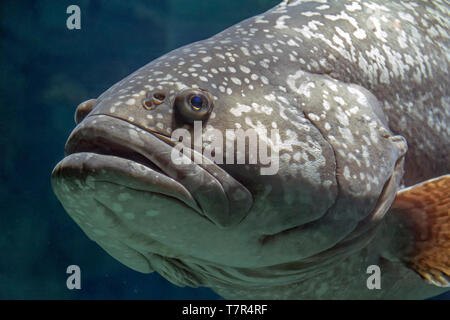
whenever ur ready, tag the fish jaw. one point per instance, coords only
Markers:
(188, 182)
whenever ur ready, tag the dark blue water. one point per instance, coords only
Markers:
(45, 71)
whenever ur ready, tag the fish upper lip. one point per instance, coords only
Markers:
(217, 195)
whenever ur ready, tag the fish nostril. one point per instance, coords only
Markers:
(158, 98)
(148, 104)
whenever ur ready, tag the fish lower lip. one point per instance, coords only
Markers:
(93, 168)
(213, 193)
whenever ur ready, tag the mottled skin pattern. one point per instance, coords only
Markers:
(351, 87)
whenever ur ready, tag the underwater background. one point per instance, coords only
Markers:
(46, 70)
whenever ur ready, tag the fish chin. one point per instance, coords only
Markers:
(122, 205)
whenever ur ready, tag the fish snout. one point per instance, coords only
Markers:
(84, 109)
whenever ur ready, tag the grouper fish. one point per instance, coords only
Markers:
(351, 101)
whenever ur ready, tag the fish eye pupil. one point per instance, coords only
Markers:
(196, 102)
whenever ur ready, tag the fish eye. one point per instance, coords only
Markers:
(193, 104)
(196, 102)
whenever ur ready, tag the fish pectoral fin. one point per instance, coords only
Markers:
(424, 210)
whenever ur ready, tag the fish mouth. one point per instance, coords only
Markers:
(107, 148)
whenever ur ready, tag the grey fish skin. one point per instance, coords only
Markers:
(354, 88)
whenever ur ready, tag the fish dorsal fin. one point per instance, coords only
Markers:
(425, 210)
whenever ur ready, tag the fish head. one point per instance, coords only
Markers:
(206, 157)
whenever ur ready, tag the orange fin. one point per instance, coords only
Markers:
(426, 209)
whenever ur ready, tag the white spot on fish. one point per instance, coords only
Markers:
(131, 102)
(280, 23)
(241, 108)
(244, 69)
(236, 80)
(124, 196)
(151, 213)
(129, 215)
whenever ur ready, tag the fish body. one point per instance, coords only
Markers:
(352, 101)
